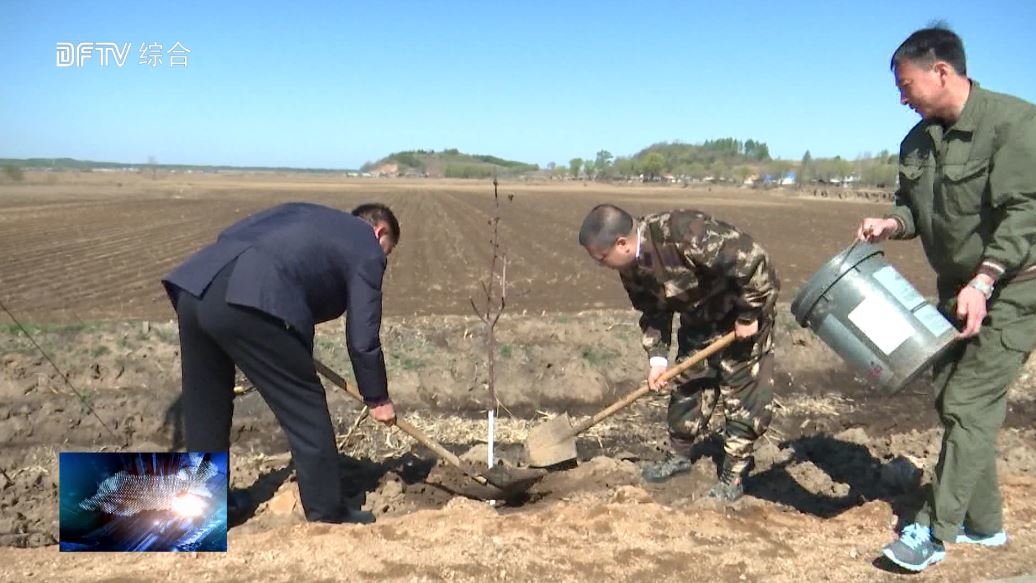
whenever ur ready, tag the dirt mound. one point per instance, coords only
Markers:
(625, 537)
(837, 468)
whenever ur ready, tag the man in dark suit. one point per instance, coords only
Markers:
(252, 299)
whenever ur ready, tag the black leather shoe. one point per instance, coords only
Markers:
(239, 507)
(358, 517)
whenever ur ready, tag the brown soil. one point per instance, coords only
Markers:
(841, 465)
(93, 251)
(837, 468)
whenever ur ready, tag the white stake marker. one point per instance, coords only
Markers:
(492, 430)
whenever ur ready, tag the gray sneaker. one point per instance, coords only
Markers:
(970, 537)
(915, 549)
(671, 465)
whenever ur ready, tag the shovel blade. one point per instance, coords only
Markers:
(512, 481)
(551, 443)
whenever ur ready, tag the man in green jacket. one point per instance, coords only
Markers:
(967, 188)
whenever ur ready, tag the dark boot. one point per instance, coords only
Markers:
(670, 466)
(728, 488)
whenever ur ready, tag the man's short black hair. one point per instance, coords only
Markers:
(603, 225)
(928, 45)
(374, 213)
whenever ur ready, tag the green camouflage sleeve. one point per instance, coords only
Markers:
(724, 250)
(656, 322)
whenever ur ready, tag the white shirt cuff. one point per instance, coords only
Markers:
(658, 361)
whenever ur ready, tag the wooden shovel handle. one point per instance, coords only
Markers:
(402, 424)
(644, 389)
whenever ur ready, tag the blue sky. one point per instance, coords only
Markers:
(336, 84)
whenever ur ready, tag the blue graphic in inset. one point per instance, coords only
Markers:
(143, 501)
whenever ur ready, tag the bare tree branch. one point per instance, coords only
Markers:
(495, 297)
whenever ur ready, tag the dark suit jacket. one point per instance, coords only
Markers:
(304, 264)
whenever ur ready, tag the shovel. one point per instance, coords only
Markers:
(553, 442)
(510, 482)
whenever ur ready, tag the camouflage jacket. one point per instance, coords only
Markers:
(706, 270)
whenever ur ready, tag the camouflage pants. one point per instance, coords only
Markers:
(739, 377)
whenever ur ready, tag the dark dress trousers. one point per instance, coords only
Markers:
(252, 299)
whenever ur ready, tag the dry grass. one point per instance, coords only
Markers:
(460, 430)
(829, 405)
(367, 438)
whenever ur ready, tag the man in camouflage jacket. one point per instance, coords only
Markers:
(716, 278)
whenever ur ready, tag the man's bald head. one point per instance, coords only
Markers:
(603, 225)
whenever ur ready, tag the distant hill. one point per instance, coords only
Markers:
(449, 163)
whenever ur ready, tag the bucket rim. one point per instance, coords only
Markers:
(829, 274)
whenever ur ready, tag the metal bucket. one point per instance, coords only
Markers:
(870, 315)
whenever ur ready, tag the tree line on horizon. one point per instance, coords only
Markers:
(726, 160)
(722, 160)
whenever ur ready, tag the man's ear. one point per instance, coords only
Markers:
(944, 70)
